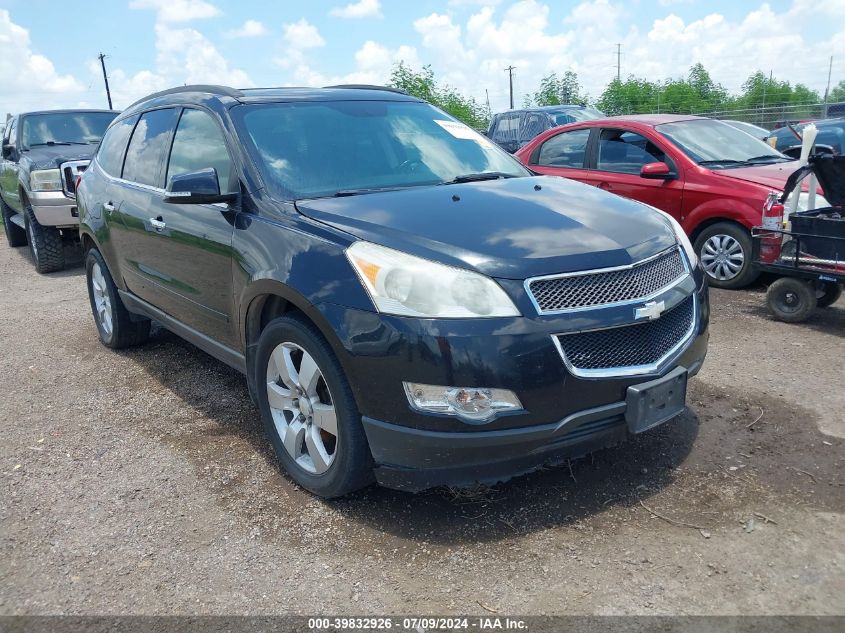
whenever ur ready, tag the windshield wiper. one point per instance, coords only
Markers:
(767, 158)
(483, 175)
(357, 192)
(51, 143)
(722, 161)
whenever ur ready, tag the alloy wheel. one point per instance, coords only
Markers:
(722, 257)
(102, 300)
(302, 408)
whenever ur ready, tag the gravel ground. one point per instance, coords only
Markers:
(140, 482)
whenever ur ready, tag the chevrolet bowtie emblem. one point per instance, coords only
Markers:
(651, 310)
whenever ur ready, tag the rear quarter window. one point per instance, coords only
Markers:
(113, 146)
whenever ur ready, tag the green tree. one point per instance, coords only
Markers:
(838, 93)
(423, 84)
(556, 90)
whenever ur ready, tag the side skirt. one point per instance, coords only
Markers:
(221, 352)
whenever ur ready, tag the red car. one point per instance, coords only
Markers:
(711, 177)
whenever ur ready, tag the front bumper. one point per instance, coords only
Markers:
(54, 208)
(564, 415)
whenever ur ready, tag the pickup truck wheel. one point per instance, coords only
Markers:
(309, 411)
(45, 244)
(725, 253)
(15, 235)
(115, 325)
(791, 300)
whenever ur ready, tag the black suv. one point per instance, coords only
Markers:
(514, 128)
(407, 301)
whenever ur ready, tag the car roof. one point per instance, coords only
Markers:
(231, 96)
(649, 120)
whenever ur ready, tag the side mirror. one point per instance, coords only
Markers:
(196, 187)
(657, 171)
(8, 151)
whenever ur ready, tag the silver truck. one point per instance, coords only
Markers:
(43, 153)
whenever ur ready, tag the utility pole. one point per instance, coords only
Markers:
(489, 110)
(102, 59)
(510, 70)
(619, 62)
(829, 70)
(765, 88)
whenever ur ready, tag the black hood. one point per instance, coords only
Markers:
(52, 156)
(512, 228)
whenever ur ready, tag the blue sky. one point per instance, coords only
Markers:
(50, 48)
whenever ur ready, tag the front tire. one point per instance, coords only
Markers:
(115, 325)
(791, 300)
(724, 250)
(45, 244)
(15, 235)
(309, 411)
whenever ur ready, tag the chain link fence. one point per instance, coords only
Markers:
(770, 117)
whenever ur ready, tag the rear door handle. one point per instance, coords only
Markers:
(605, 185)
(158, 224)
(109, 206)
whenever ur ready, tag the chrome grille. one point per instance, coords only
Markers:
(597, 288)
(70, 171)
(618, 349)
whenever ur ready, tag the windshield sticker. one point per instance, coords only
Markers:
(458, 130)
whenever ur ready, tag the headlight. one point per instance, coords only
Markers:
(45, 180)
(804, 201)
(405, 285)
(682, 238)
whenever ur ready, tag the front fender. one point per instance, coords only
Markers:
(722, 209)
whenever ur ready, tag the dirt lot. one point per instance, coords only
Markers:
(141, 482)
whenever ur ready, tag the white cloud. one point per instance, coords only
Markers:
(250, 28)
(360, 9)
(183, 56)
(302, 35)
(177, 10)
(30, 80)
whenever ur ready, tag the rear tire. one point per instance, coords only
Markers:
(15, 235)
(313, 423)
(115, 324)
(45, 244)
(791, 300)
(828, 293)
(724, 250)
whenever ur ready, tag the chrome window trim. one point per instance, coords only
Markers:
(598, 271)
(632, 370)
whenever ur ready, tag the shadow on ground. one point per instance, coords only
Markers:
(687, 462)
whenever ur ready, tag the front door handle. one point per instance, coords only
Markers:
(158, 224)
(109, 206)
(605, 185)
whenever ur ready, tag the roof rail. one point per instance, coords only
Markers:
(209, 88)
(369, 87)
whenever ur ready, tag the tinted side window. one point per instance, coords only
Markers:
(626, 152)
(565, 150)
(532, 126)
(148, 147)
(198, 144)
(507, 129)
(113, 146)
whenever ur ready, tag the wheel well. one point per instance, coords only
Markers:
(262, 310)
(708, 223)
(87, 243)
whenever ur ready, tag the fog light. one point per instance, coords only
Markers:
(472, 404)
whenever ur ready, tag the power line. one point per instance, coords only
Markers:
(102, 59)
(510, 70)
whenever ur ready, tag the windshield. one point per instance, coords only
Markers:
(575, 114)
(324, 148)
(718, 145)
(65, 128)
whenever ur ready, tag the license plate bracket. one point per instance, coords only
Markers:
(652, 403)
